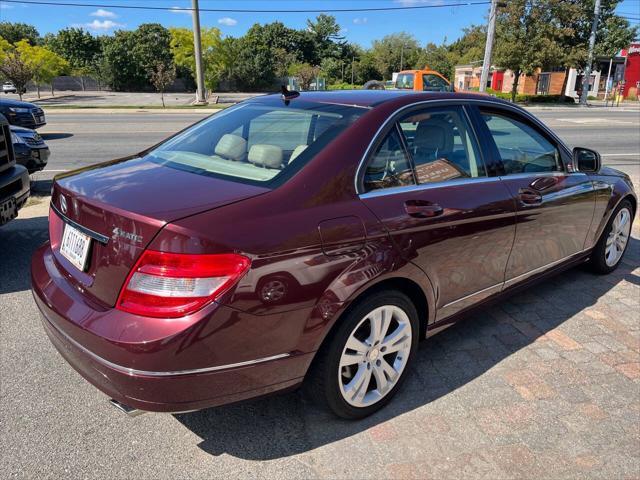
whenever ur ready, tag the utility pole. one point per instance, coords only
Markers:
(352, 69)
(488, 48)
(197, 50)
(592, 43)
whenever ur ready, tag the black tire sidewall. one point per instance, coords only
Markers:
(332, 393)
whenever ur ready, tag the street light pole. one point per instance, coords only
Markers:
(491, 30)
(592, 43)
(197, 50)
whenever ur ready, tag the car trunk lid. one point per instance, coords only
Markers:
(122, 205)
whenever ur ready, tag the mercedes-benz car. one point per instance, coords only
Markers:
(396, 213)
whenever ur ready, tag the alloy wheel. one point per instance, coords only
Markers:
(375, 356)
(618, 237)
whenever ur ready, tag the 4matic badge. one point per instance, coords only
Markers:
(119, 233)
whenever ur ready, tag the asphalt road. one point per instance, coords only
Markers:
(55, 425)
(77, 140)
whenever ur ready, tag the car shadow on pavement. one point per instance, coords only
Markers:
(55, 136)
(287, 424)
(18, 240)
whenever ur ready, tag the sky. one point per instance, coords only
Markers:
(428, 25)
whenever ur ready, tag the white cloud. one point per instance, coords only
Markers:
(360, 20)
(180, 10)
(4, 6)
(99, 25)
(103, 14)
(228, 21)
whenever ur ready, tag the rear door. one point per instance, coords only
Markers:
(554, 205)
(428, 184)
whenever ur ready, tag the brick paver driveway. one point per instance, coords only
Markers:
(543, 385)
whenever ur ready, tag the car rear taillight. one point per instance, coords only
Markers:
(171, 285)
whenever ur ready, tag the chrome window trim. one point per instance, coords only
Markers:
(383, 192)
(95, 235)
(147, 373)
(456, 102)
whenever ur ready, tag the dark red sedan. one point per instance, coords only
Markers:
(312, 239)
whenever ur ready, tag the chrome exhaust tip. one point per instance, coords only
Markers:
(126, 409)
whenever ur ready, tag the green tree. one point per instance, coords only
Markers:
(15, 68)
(326, 37)
(14, 32)
(524, 39)
(45, 64)
(305, 73)
(132, 54)
(439, 58)
(395, 52)
(78, 47)
(470, 46)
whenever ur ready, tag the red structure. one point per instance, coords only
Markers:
(632, 69)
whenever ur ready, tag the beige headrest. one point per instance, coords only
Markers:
(232, 147)
(269, 156)
(297, 151)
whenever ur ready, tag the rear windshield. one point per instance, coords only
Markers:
(405, 81)
(256, 143)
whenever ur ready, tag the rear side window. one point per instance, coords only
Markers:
(433, 83)
(442, 145)
(389, 166)
(256, 142)
(405, 81)
(523, 149)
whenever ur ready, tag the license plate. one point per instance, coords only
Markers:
(75, 246)
(41, 119)
(35, 154)
(7, 210)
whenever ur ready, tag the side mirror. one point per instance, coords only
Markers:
(586, 160)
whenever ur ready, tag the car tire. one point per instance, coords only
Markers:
(613, 242)
(349, 381)
(373, 85)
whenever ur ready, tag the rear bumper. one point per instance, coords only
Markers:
(166, 382)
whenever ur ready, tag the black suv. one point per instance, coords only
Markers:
(14, 179)
(22, 114)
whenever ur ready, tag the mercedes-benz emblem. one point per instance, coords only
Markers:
(63, 204)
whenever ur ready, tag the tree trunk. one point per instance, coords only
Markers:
(52, 92)
(38, 89)
(514, 88)
(82, 82)
(162, 98)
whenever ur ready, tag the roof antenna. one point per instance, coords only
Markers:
(288, 95)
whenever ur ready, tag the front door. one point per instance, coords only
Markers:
(554, 206)
(427, 183)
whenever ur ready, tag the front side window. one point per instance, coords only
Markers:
(433, 83)
(389, 166)
(256, 142)
(522, 148)
(405, 81)
(442, 145)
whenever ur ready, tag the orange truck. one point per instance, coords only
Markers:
(425, 80)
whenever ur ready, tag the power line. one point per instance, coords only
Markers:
(240, 10)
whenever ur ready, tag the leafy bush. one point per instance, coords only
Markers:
(532, 98)
(343, 86)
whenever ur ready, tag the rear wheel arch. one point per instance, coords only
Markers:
(408, 287)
